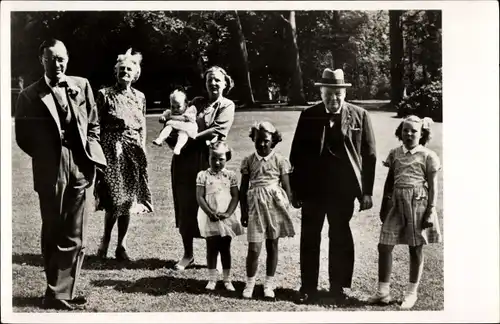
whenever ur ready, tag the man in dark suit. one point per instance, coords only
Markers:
(56, 124)
(333, 156)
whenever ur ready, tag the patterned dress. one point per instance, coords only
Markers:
(403, 224)
(268, 205)
(218, 196)
(123, 131)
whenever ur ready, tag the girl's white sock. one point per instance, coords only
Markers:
(269, 282)
(412, 288)
(225, 274)
(384, 287)
(251, 282)
(212, 274)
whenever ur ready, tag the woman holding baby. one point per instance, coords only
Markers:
(215, 115)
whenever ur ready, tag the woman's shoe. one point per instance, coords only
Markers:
(183, 264)
(102, 253)
(121, 254)
(380, 298)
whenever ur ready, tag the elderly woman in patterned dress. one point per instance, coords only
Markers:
(123, 138)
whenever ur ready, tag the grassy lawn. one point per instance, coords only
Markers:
(149, 283)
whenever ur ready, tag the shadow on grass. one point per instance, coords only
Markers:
(18, 301)
(92, 262)
(163, 285)
(158, 286)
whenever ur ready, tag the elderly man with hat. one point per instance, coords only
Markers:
(333, 155)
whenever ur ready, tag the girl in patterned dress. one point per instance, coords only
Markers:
(412, 217)
(217, 195)
(179, 118)
(265, 203)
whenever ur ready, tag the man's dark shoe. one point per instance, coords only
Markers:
(60, 304)
(338, 296)
(306, 297)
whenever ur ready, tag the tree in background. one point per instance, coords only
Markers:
(397, 51)
(179, 45)
(248, 98)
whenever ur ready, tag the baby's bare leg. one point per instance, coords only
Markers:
(163, 135)
(181, 141)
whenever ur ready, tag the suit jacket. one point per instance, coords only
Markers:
(38, 128)
(307, 146)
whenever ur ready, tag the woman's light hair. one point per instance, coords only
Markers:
(132, 60)
(229, 81)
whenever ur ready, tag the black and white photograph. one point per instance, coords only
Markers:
(249, 161)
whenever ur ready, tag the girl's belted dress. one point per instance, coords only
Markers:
(403, 224)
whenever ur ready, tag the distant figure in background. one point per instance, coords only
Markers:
(215, 118)
(124, 188)
(179, 118)
(412, 218)
(56, 124)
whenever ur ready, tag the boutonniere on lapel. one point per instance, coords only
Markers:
(73, 91)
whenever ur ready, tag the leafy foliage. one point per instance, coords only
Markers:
(427, 101)
(178, 45)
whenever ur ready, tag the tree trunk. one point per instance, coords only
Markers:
(397, 50)
(296, 93)
(248, 98)
(337, 64)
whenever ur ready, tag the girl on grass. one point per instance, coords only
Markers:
(217, 196)
(265, 203)
(411, 188)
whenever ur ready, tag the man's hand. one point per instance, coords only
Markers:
(365, 202)
(296, 203)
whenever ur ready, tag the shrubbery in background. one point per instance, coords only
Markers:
(427, 101)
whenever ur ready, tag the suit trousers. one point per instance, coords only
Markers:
(339, 212)
(63, 224)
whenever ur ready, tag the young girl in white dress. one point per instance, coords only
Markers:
(411, 218)
(217, 195)
(265, 203)
(180, 118)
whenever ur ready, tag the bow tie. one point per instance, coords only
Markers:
(334, 117)
(60, 84)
